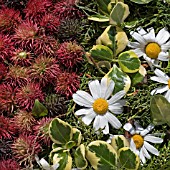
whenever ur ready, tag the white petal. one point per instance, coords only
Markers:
(80, 100)
(159, 79)
(150, 36)
(147, 130)
(87, 119)
(97, 122)
(85, 95)
(116, 97)
(153, 139)
(107, 87)
(106, 129)
(162, 36)
(138, 37)
(138, 51)
(159, 73)
(166, 46)
(141, 31)
(151, 149)
(133, 44)
(128, 127)
(94, 87)
(159, 90)
(84, 111)
(116, 108)
(167, 95)
(133, 147)
(145, 152)
(44, 163)
(163, 56)
(138, 127)
(113, 120)
(142, 157)
(149, 61)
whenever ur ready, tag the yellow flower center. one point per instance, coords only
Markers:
(169, 83)
(100, 106)
(152, 50)
(138, 140)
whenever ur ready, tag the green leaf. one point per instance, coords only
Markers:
(160, 110)
(39, 110)
(77, 136)
(99, 18)
(101, 52)
(103, 6)
(129, 62)
(60, 132)
(128, 158)
(141, 1)
(119, 13)
(121, 79)
(70, 144)
(101, 155)
(119, 141)
(79, 156)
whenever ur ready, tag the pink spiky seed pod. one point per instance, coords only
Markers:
(64, 9)
(24, 149)
(67, 84)
(70, 54)
(21, 57)
(24, 121)
(9, 19)
(6, 47)
(17, 76)
(9, 164)
(45, 70)
(7, 130)
(26, 96)
(50, 23)
(35, 9)
(41, 130)
(7, 98)
(3, 71)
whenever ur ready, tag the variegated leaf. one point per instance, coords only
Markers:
(121, 79)
(99, 18)
(101, 155)
(103, 6)
(77, 136)
(60, 132)
(141, 1)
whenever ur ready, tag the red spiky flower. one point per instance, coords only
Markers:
(9, 19)
(24, 149)
(7, 98)
(70, 54)
(9, 164)
(50, 23)
(26, 96)
(44, 70)
(3, 71)
(21, 57)
(67, 9)
(35, 9)
(6, 47)
(41, 130)
(24, 121)
(17, 76)
(67, 84)
(7, 130)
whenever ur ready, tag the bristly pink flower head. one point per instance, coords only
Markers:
(45, 70)
(7, 98)
(24, 149)
(17, 76)
(41, 130)
(26, 96)
(67, 9)
(9, 19)
(21, 57)
(9, 164)
(6, 47)
(3, 71)
(35, 9)
(50, 23)
(70, 54)
(67, 84)
(24, 121)
(7, 130)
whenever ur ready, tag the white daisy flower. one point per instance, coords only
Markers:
(98, 106)
(161, 77)
(139, 141)
(152, 48)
